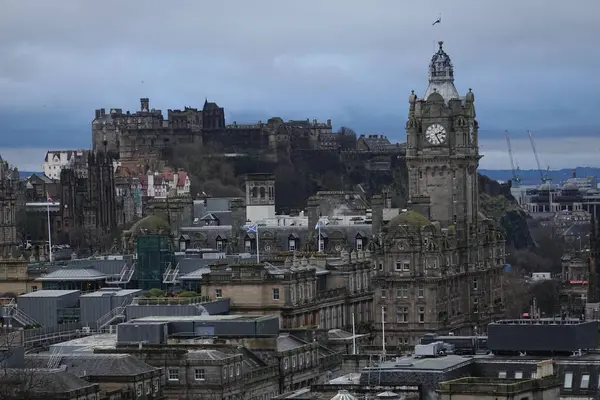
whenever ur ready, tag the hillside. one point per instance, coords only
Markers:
(532, 176)
(300, 174)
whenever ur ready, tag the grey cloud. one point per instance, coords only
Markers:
(531, 63)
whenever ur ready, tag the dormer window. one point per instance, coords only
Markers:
(292, 242)
(358, 242)
(220, 243)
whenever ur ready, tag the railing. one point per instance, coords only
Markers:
(115, 313)
(55, 357)
(171, 274)
(11, 310)
(155, 301)
(125, 275)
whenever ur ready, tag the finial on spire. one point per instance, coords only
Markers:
(412, 92)
(441, 43)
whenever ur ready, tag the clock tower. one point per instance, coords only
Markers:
(442, 153)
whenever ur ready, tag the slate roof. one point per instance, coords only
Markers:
(90, 364)
(287, 342)
(73, 274)
(208, 354)
(49, 381)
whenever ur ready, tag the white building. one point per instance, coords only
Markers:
(162, 184)
(55, 161)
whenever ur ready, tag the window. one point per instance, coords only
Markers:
(585, 381)
(237, 369)
(224, 372)
(148, 389)
(286, 363)
(475, 283)
(275, 293)
(218, 293)
(307, 358)
(231, 371)
(381, 266)
(398, 266)
(383, 293)
(173, 374)
(34, 288)
(568, 384)
(406, 266)
(420, 292)
(518, 374)
(139, 387)
(219, 245)
(156, 384)
(293, 361)
(403, 314)
(301, 359)
(248, 245)
(292, 244)
(359, 244)
(402, 292)
(421, 314)
(502, 374)
(199, 374)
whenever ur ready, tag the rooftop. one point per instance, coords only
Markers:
(112, 291)
(416, 363)
(175, 318)
(50, 293)
(496, 386)
(73, 274)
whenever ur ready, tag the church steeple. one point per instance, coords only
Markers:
(441, 76)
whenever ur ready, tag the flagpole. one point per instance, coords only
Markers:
(49, 230)
(319, 238)
(257, 247)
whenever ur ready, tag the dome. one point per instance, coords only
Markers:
(344, 395)
(411, 218)
(441, 76)
(569, 186)
(151, 224)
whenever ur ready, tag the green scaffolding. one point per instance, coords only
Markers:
(155, 253)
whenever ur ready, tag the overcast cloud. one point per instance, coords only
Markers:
(532, 64)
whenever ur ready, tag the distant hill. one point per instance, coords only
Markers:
(27, 174)
(532, 176)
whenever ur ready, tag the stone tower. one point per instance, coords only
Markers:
(442, 153)
(260, 196)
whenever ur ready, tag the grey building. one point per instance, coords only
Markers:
(94, 306)
(51, 307)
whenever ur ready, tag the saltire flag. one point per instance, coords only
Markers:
(318, 225)
(252, 229)
(49, 199)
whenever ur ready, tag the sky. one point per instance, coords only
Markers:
(532, 65)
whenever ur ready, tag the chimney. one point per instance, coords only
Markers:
(377, 212)
(312, 208)
(97, 114)
(102, 112)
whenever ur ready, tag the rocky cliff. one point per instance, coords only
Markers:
(301, 173)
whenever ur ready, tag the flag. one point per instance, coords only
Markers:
(318, 225)
(252, 229)
(49, 199)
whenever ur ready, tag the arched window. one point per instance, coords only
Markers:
(262, 192)
(254, 192)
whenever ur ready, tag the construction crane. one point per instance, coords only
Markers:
(543, 176)
(516, 177)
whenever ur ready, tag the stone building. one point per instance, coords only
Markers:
(303, 292)
(439, 263)
(9, 199)
(89, 203)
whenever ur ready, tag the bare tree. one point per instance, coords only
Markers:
(20, 378)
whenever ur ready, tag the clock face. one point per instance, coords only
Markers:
(435, 134)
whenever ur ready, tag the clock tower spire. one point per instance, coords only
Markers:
(442, 152)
